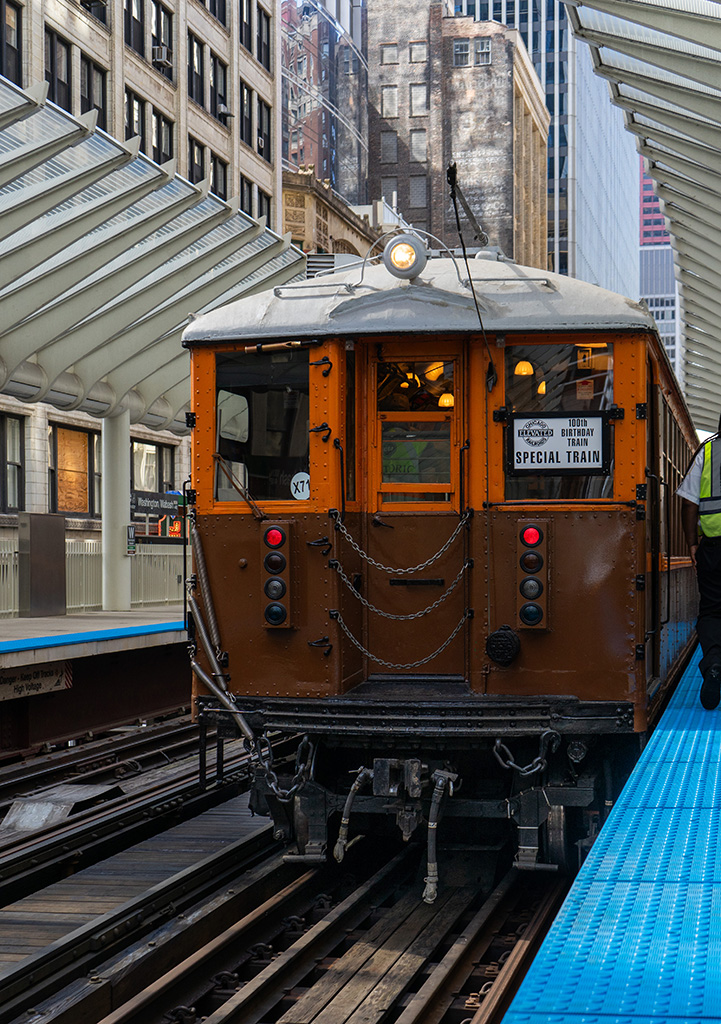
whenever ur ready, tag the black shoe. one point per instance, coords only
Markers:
(711, 689)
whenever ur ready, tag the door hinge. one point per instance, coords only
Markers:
(641, 581)
(640, 513)
(640, 652)
(641, 492)
(190, 420)
(641, 411)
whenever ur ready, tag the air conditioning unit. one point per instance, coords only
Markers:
(224, 113)
(162, 57)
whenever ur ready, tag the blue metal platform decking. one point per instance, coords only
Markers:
(638, 939)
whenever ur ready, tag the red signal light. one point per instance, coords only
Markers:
(274, 537)
(531, 536)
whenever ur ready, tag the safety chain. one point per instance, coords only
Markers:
(264, 757)
(549, 740)
(335, 564)
(467, 614)
(391, 569)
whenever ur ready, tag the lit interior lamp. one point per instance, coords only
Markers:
(433, 371)
(412, 380)
(446, 402)
(523, 368)
(542, 388)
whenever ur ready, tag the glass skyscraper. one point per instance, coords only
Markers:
(592, 163)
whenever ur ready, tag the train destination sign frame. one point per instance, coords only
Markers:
(559, 444)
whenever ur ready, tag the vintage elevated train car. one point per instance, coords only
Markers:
(441, 548)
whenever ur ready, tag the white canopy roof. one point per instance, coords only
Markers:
(662, 59)
(103, 255)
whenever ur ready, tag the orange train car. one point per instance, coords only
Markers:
(440, 545)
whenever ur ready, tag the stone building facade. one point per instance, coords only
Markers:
(318, 220)
(442, 89)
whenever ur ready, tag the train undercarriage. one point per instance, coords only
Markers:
(533, 777)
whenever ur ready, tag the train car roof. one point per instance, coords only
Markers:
(511, 298)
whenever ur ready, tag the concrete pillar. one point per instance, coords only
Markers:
(116, 512)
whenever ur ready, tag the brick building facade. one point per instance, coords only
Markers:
(445, 88)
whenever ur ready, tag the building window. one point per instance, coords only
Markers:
(418, 146)
(151, 467)
(57, 69)
(389, 53)
(389, 147)
(135, 26)
(246, 28)
(74, 470)
(218, 176)
(418, 194)
(419, 100)
(246, 195)
(389, 101)
(162, 40)
(418, 53)
(196, 90)
(264, 207)
(461, 53)
(246, 113)
(217, 9)
(12, 463)
(389, 190)
(93, 89)
(483, 52)
(162, 137)
(218, 88)
(196, 160)
(263, 38)
(10, 41)
(264, 130)
(135, 119)
(97, 8)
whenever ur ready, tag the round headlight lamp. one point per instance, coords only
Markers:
(405, 256)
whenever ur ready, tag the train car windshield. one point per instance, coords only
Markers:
(262, 426)
(543, 384)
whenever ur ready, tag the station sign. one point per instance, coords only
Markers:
(559, 443)
(31, 680)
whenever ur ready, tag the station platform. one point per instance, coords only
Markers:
(638, 939)
(34, 641)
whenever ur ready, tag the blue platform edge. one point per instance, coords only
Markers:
(638, 939)
(92, 636)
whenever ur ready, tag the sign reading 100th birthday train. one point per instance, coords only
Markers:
(559, 443)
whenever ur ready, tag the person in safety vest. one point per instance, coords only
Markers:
(700, 491)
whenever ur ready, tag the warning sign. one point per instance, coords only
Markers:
(29, 681)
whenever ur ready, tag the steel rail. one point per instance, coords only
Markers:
(43, 973)
(48, 855)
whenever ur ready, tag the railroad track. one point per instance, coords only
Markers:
(113, 756)
(320, 947)
(153, 802)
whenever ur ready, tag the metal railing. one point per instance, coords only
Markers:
(156, 576)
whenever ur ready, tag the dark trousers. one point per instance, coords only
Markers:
(708, 626)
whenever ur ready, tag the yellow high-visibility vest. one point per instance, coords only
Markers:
(710, 493)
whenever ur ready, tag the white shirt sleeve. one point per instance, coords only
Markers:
(690, 486)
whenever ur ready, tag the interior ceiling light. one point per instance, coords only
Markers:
(405, 256)
(523, 368)
(542, 388)
(446, 402)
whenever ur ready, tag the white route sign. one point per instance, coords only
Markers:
(565, 443)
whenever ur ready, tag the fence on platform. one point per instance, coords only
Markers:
(156, 576)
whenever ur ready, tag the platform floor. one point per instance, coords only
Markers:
(638, 939)
(36, 640)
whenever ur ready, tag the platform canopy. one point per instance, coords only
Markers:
(104, 255)
(662, 59)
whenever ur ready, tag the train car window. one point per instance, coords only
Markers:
(554, 379)
(262, 425)
(415, 387)
(416, 439)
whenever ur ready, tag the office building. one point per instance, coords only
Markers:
(592, 170)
